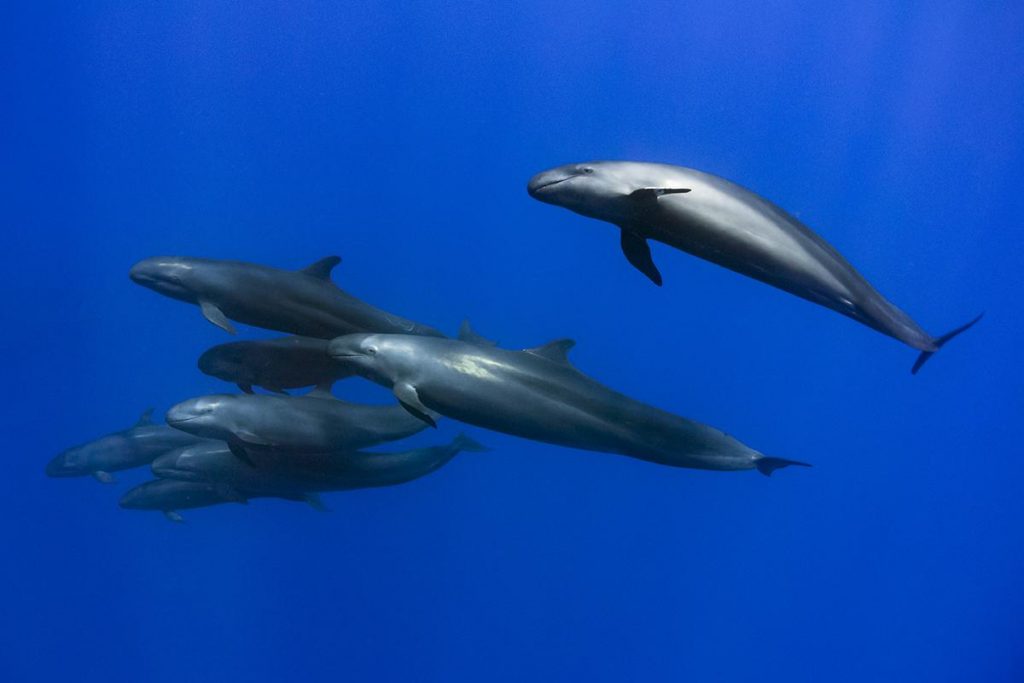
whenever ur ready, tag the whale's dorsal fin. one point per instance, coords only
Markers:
(145, 419)
(321, 270)
(556, 351)
(469, 335)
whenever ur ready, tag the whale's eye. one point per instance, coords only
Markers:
(371, 350)
(587, 169)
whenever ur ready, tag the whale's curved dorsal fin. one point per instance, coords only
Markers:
(469, 335)
(556, 351)
(321, 270)
(145, 419)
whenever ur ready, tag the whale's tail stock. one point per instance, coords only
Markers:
(940, 341)
(766, 465)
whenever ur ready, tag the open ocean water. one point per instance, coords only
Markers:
(400, 136)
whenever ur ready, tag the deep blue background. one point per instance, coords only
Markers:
(401, 137)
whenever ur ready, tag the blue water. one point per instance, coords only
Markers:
(401, 136)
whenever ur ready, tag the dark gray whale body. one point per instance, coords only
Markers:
(294, 476)
(314, 423)
(169, 496)
(719, 221)
(133, 447)
(537, 394)
(304, 302)
(274, 364)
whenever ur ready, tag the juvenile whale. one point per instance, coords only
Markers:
(537, 394)
(294, 476)
(304, 302)
(133, 447)
(274, 364)
(168, 496)
(719, 221)
(316, 422)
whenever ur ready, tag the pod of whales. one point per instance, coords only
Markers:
(229, 448)
(719, 221)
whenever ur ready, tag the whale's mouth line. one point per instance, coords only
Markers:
(348, 355)
(553, 182)
(182, 420)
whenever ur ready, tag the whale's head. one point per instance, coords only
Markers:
(234, 362)
(179, 277)
(381, 358)
(210, 417)
(597, 189)
(106, 453)
(74, 462)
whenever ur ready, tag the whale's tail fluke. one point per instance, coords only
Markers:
(767, 465)
(925, 355)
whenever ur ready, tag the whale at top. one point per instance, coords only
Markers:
(304, 302)
(719, 221)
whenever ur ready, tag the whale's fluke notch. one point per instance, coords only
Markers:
(925, 355)
(767, 465)
(638, 252)
(322, 268)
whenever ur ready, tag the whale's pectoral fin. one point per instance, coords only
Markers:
(768, 465)
(638, 252)
(410, 400)
(231, 494)
(174, 516)
(940, 342)
(246, 388)
(216, 316)
(647, 194)
(238, 449)
(104, 477)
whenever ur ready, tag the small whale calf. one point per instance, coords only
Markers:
(719, 221)
(132, 447)
(304, 302)
(537, 394)
(169, 495)
(314, 423)
(274, 364)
